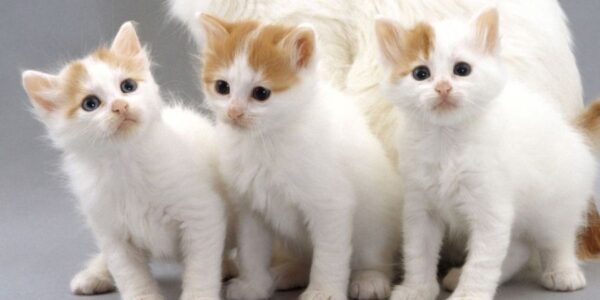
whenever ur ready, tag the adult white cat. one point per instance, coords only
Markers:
(301, 161)
(145, 174)
(482, 156)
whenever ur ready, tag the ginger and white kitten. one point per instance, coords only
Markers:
(300, 160)
(145, 174)
(482, 156)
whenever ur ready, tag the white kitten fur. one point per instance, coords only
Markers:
(502, 167)
(150, 192)
(306, 170)
(537, 44)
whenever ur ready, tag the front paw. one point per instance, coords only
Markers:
(238, 289)
(563, 280)
(315, 294)
(425, 292)
(186, 295)
(145, 297)
(369, 285)
(471, 296)
(88, 283)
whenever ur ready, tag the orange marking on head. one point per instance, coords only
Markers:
(403, 48)
(135, 67)
(487, 30)
(72, 78)
(224, 41)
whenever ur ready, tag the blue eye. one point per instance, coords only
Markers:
(462, 69)
(90, 103)
(421, 73)
(128, 86)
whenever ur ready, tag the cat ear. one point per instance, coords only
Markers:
(487, 30)
(127, 42)
(390, 37)
(39, 87)
(301, 44)
(214, 28)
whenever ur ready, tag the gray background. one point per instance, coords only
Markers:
(43, 242)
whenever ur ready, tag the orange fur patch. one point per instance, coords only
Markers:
(267, 51)
(221, 51)
(134, 66)
(487, 29)
(589, 122)
(72, 77)
(267, 56)
(405, 48)
(589, 237)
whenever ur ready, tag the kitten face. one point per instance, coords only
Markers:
(446, 72)
(255, 76)
(105, 98)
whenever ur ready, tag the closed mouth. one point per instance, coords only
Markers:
(126, 123)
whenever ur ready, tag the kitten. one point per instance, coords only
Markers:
(301, 161)
(482, 156)
(145, 174)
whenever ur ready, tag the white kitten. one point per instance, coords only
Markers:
(145, 175)
(300, 158)
(484, 157)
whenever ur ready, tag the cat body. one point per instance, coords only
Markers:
(145, 175)
(485, 157)
(300, 162)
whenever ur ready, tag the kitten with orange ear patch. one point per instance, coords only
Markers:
(483, 157)
(300, 160)
(144, 173)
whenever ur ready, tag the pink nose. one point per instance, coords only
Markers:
(119, 106)
(235, 113)
(443, 88)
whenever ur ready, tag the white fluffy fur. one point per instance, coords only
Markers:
(537, 44)
(148, 193)
(503, 168)
(306, 170)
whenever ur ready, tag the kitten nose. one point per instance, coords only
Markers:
(443, 88)
(235, 112)
(119, 107)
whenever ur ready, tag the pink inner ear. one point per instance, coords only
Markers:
(37, 85)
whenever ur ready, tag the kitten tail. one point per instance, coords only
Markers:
(589, 236)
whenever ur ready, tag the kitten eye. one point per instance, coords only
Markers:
(222, 87)
(421, 73)
(462, 69)
(260, 93)
(128, 85)
(90, 103)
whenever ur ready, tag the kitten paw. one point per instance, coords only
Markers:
(369, 285)
(290, 275)
(146, 297)
(563, 280)
(88, 283)
(200, 295)
(425, 292)
(471, 296)
(450, 281)
(238, 289)
(313, 294)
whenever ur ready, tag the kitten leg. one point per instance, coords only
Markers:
(518, 256)
(254, 251)
(331, 234)
(291, 269)
(202, 244)
(560, 271)
(372, 267)
(129, 267)
(423, 235)
(94, 279)
(490, 234)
